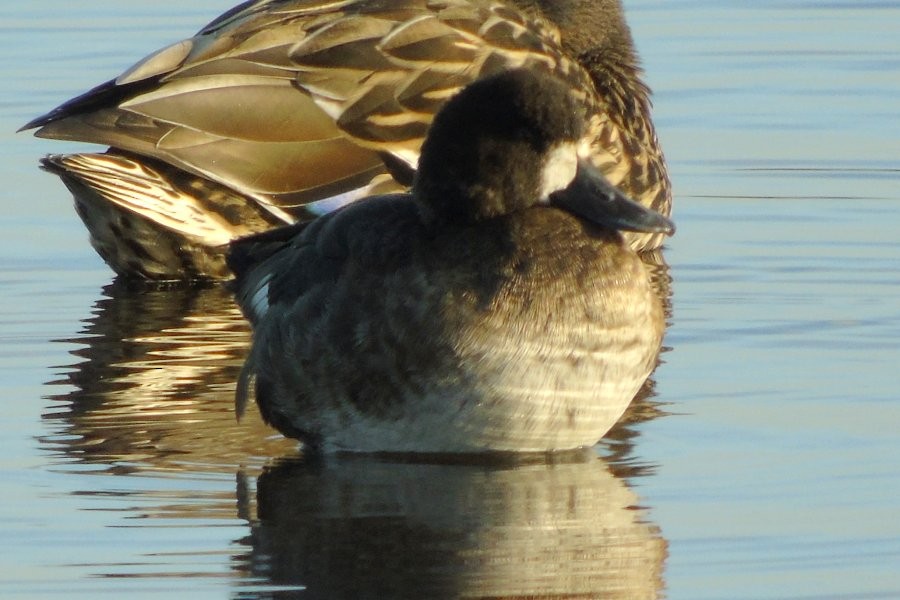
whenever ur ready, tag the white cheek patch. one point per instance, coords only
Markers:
(559, 169)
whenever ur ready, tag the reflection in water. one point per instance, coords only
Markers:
(360, 528)
(156, 386)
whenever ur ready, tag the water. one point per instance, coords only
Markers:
(763, 464)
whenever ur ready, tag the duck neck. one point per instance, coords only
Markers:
(596, 33)
(587, 26)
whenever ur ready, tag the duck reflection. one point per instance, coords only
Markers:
(360, 528)
(155, 386)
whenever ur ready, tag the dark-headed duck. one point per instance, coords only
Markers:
(495, 307)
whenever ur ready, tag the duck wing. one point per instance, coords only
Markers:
(289, 279)
(293, 101)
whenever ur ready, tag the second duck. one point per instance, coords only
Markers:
(279, 106)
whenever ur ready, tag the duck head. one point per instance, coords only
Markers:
(512, 142)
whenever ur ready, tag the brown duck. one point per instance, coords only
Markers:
(283, 109)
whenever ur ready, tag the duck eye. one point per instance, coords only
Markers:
(560, 167)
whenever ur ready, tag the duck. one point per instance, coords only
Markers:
(279, 111)
(495, 307)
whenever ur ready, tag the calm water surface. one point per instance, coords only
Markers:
(762, 461)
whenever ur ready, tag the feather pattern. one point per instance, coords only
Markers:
(288, 102)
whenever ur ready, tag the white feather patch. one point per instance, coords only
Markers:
(559, 169)
(259, 301)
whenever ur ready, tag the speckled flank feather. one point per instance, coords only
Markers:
(150, 220)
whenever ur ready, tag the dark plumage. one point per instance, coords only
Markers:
(480, 312)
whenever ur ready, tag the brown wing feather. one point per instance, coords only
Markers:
(292, 101)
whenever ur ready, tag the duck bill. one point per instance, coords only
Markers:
(592, 197)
